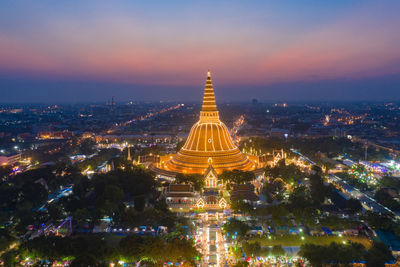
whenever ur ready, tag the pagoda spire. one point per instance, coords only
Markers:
(129, 154)
(209, 104)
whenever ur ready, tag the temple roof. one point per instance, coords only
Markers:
(180, 190)
(243, 192)
(209, 170)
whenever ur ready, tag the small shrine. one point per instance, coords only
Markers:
(211, 177)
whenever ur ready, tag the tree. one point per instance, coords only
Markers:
(113, 193)
(178, 249)
(55, 211)
(88, 249)
(313, 253)
(278, 212)
(81, 187)
(353, 205)
(5, 239)
(316, 170)
(140, 202)
(34, 193)
(333, 254)
(387, 200)
(241, 206)
(122, 163)
(81, 216)
(299, 198)
(301, 127)
(5, 171)
(274, 189)
(157, 249)
(318, 190)
(237, 177)
(236, 227)
(289, 173)
(10, 258)
(196, 180)
(131, 247)
(87, 146)
(389, 182)
(278, 185)
(378, 255)
(241, 264)
(252, 249)
(277, 251)
(85, 260)
(382, 221)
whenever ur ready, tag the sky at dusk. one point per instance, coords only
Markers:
(82, 51)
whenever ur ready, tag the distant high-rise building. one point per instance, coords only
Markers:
(129, 153)
(112, 108)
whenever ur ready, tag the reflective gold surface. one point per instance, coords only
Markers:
(208, 143)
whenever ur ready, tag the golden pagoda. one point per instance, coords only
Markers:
(208, 143)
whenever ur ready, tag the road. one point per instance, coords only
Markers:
(237, 124)
(143, 117)
(63, 192)
(368, 202)
(212, 240)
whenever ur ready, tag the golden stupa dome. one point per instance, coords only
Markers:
(209, 143)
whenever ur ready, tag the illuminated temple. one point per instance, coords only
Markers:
(208, 143)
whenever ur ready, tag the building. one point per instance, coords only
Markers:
(279, 133)
(244, 192)
(209, 150)
(148, 159)
(10, 159)
(55, 135)
(180, 194)
(211, 178)
(208, 143)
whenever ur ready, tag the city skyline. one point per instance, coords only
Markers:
(200, 133)
(78, 52)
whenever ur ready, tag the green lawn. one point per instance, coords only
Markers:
(295, 240)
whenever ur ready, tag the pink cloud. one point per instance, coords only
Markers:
(121, 49)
